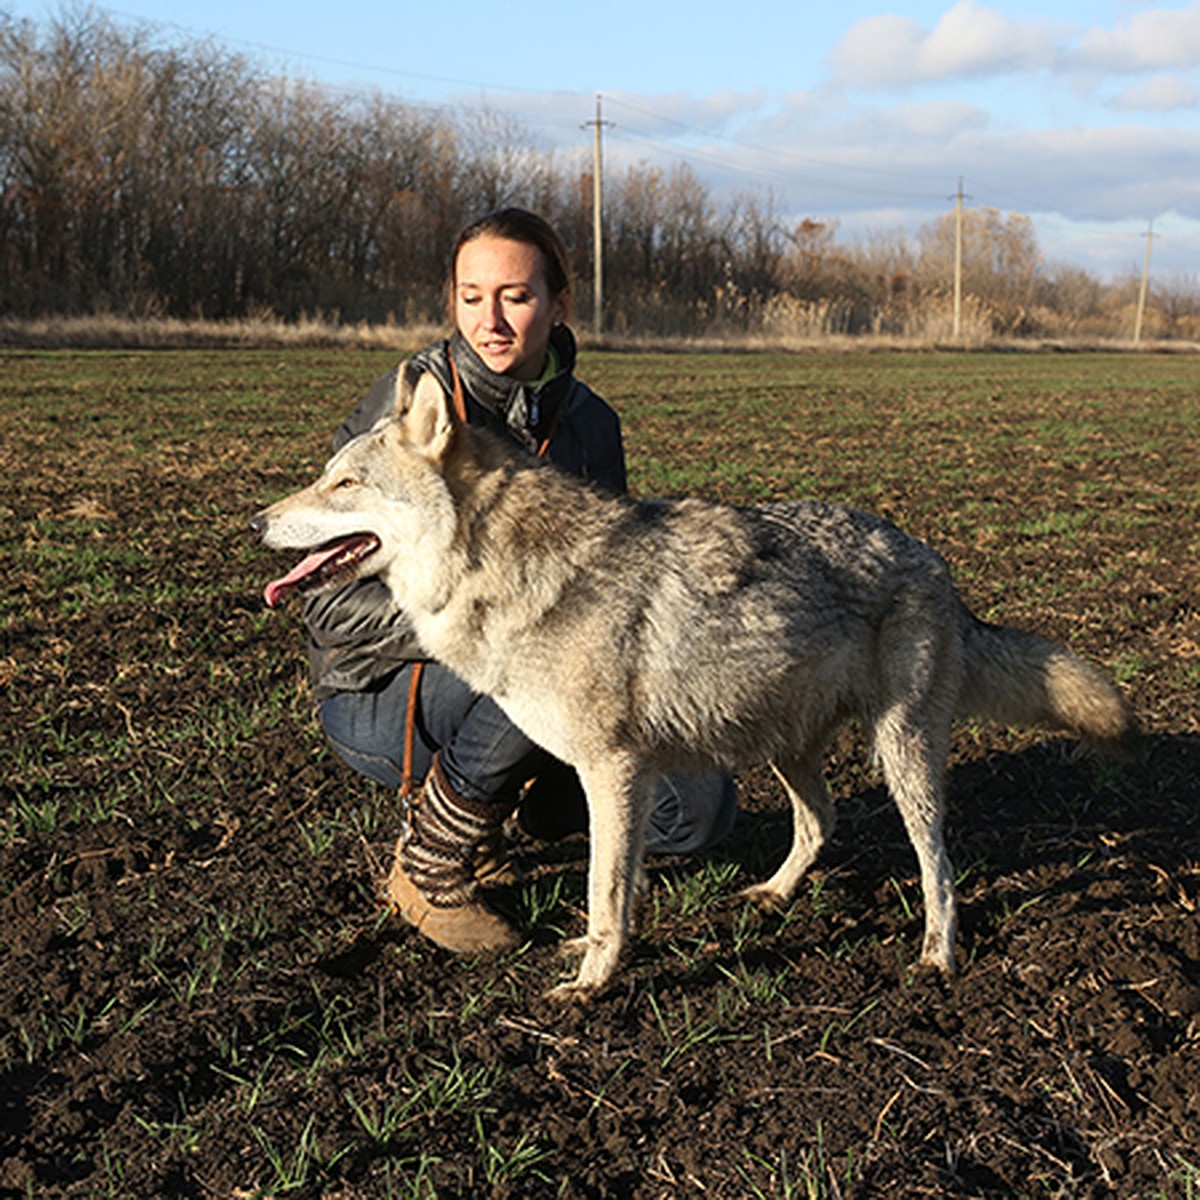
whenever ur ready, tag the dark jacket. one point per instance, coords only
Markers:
(357, 635)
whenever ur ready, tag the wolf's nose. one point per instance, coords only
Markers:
(258, 524)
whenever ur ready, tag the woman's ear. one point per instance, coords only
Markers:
(562, 307)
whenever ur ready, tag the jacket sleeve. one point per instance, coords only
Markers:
(357, 635)
(609, 470)
(588, 441)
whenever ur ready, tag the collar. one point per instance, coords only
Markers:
(526, 410)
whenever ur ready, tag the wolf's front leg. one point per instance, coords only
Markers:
(618, 808)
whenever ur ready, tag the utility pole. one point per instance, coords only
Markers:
(958, 246)
(1141, 304)
(597, 224)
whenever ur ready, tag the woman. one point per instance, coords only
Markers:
(389, 712)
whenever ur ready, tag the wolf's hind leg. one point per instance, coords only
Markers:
(913, 757)
(812, 822)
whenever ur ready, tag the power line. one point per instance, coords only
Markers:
(712, 157)
(772, 166)
(155, 22)
(774, 152)
(783, 178)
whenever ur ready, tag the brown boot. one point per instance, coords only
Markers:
(492, 865)
(433, 883)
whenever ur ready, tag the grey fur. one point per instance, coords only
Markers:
(634, 638)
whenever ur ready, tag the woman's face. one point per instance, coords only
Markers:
(503, 305)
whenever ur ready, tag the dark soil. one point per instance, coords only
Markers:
(201, 996)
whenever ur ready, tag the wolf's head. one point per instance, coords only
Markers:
(381, 501)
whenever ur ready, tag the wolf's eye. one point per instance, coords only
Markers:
(348, 482)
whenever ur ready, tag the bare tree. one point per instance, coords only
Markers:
(180, 179)
(756, 244)
(1001, 260)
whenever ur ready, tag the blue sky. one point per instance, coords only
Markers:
(1087, 120)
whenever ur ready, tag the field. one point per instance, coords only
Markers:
(202, 996)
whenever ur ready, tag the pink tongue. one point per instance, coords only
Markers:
(277, 588)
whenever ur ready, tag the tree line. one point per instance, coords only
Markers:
(182, 180)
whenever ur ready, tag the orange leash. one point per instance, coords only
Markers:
(410, 731)
(460, 402)
(460, 409)
(407, 788)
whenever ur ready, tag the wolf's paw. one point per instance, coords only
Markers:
(764, 898)
(937, 947)
(570, 993)
(601, 959)
(940, 961)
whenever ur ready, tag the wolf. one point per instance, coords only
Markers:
(631, 638)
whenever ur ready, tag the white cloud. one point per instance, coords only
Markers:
(1160, 93)
(969, 41)
(1152, 40)
(941, 119)
(671, 111)
(879, 51)
(972, 40)
(1093, 174)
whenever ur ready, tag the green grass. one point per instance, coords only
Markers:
(160, 718)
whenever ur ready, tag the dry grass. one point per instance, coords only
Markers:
(816, 327)
(106, 331)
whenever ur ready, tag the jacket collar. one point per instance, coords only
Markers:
(525, 409)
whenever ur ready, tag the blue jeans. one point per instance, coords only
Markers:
(488, 759)
(485, 756)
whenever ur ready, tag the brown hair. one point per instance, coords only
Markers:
(518, 225)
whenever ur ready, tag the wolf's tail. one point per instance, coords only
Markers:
(1021, 679)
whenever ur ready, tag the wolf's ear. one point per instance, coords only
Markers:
(408, 374)
(429, 418)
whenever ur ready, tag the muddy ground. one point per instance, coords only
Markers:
(201, 997)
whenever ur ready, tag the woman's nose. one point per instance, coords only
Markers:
(493, 313)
